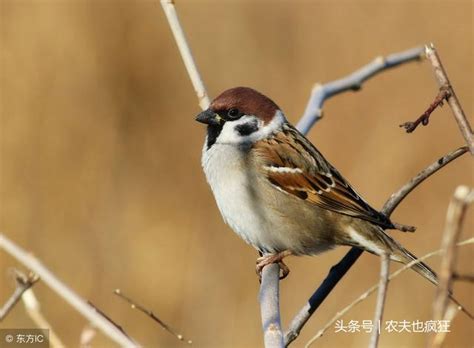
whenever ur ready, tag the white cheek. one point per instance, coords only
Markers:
(229, 135)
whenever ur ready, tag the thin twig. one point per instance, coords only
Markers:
(180, 38)
(371, 290)
(463, 196)
(109, 319)
(65, 292)
(403, 228)
(443, 81)
(463, 277)
(33, 310)
(353, 82)
(270, 307)
(381, 296)
(150, 314)
(339, 270)
(23, 283)
(424, 119)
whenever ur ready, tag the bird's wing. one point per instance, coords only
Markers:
(293, 165)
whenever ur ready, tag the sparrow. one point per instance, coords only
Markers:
(278, 192)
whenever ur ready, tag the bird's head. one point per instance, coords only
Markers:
(240, 115)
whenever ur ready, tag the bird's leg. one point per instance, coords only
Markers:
(268, 259)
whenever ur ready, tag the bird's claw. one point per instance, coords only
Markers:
(268, 259)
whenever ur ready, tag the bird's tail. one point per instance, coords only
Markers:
(376, 241)
(400, 254)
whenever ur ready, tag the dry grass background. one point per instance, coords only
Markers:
(100, 155)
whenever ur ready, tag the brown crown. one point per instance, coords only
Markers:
(248, 101)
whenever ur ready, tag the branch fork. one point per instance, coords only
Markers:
(23, 283)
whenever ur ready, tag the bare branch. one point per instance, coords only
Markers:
(65, 292)
(463, 196)
(270, 307)
(449, 316)
(382, 295)
(33, 309)
(424, 119)
(180, 38)
(353, 82)
(396, 198)
(23, 283)
(150, 314)
(339, 270)
(443, 82)
(371, 290)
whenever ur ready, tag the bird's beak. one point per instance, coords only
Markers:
(210, 117)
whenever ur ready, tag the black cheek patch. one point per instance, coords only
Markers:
(247, 128)
(212, 134)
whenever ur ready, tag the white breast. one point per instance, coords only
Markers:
(225, 169)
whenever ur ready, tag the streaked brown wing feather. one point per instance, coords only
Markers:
(316, 181)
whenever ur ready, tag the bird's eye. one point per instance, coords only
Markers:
(233, 113)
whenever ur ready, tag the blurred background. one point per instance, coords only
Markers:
(100, 156)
